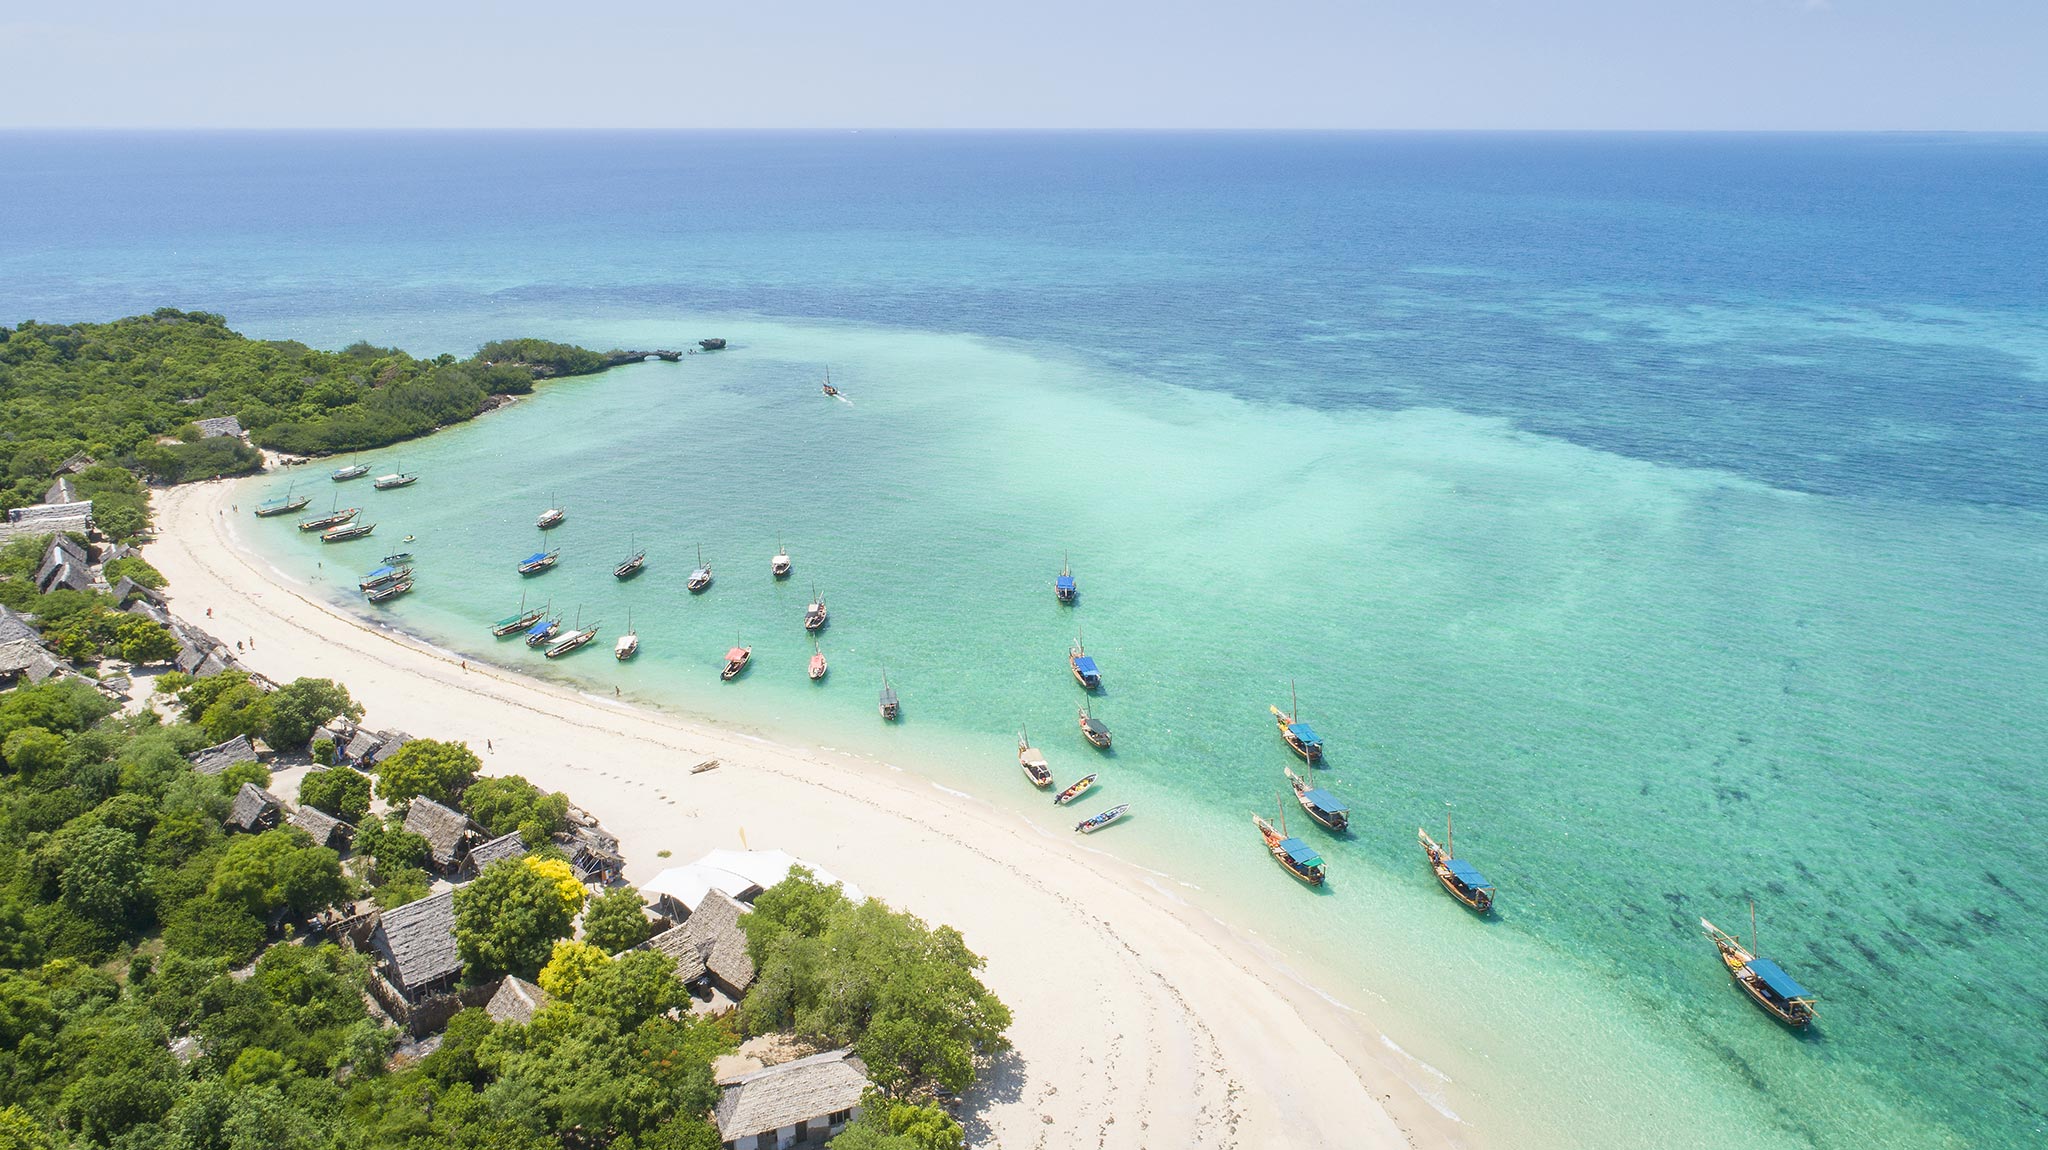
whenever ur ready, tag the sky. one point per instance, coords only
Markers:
(1039, 64)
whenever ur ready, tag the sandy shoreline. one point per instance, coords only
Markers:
(1139, 1020)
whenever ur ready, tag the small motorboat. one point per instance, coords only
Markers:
(780, 566)
(409, 539)
(700, 579)
(829, 389)
(399, 556)
(352, 471)
(394, 480)
(1075, 790)
(543, 631)
(1090, 826)
(715, 343)
(382, 576)
(1321, 805)
(574, 640)
(890, 707)
(1033, 761)
(736, 660)
(815, 614)
(1085, 671)
(1299, 736)
(344, 534)
(817, 665)
(539, 561)
(390, 591)
(1093, 730)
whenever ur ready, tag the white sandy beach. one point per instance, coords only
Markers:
(1139, 1021)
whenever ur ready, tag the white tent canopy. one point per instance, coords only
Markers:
(738, 874)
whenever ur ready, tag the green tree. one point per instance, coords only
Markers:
(277, 869)
(103, 877)
(33, 751)
(887, 1123)
(568, 965)
(506, 803)
(339, 791)
(430, 767)
(616, 920)
(302, 705)
(143, 642)
(507, 921)
(137, 568)
(20, 1132)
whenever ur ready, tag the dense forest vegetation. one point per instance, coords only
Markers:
(163, 985)
(130, 393)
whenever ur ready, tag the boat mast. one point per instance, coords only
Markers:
(1294, 700)
(1752, 928)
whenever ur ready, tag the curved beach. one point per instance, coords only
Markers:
(1140, 1021)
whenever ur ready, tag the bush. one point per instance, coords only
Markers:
(323, 752)
(210, 927)
(339, 791)
(440, 771)
(137, 568)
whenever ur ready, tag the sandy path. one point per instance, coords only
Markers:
(1138, 1022)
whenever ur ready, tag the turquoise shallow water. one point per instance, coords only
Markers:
(1670, 506)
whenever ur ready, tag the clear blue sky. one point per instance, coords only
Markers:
(1734, 64)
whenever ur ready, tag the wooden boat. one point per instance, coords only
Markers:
(333, 518)
(398, 557)
(574, 640)
(1460, 878)
(394, 481)
(715, 343)
(539, 561)
(1085, 671)
(390, 591)
(283, 505)
(700, 579)
(829, 389)
(736, 660)
(1035, 767)
(889, 705)
(1063, 588)
(1090, 826)
(382, 576)
(543, 631)
(1093, 730)
(780, 566)
(1299, 735)
(1294, 856)
(1764, 981)
(352, 471)
(818, 666)
(344, 534)
(1075, 790)
(1321, 805)
(815, 614)
(519, 620)
(632, 564)
(629, 643)
(552, 517)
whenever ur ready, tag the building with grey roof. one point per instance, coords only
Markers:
(710, 949)
(219, 757)
(503, 847)
(26, 660)
(516, 1001)
(218, 426)
(447, 831)
(254, 809)
(808, 1100)
(415, 944)
(325, 829)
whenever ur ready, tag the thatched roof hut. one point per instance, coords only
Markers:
(327, 830)
(219, 757)
(26, 659)
(254, 809)
(447, 831)
(515, 1001)
(811, 1098)
(503, 847)
(710, 945)
(417, 945)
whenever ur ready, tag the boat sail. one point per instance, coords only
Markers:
(1090, 826)
(1321, 805)
(1063, 587)
(1460, 879)
(1075, 790)
(700, 579)
(1085, 671)
(829, 389)
(1092, 729)
(1033, 761)
(1764, 981)
(1296, 857)
(1299, 735)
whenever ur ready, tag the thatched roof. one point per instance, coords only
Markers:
(361, 747)
(716, 925)
(43, 518)
(219, 757)
(321, 825)
(503, 847)
(27, 659)
(217, 427)
(13, 626)
(128, 589)
(516, 1000)
(678, 943)
(63, 569)
(254, 809)
(388, 743)
(417, 941)
(150, 611)
(445, 830)
(61, 491)
(779, 1096)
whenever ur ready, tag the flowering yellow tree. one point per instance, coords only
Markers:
(563, 876)
(571, 963)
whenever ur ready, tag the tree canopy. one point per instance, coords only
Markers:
(440, 771)
(507, 921)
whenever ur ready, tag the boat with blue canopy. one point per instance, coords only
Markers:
(1085, 671)
(1089, 826)
(352, 471)
(1763, 980)
(1299, 735)
(383, 575)
(519, 620)
(539, 561)
(283, 504)
(543, 631)
(1321, 805)
(1063, 587)
(1460, 878)
(1294, 856)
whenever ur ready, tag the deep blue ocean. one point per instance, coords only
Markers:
(1675, 504)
